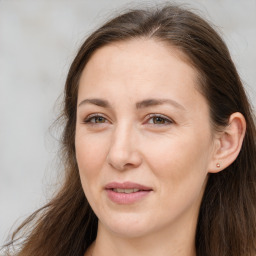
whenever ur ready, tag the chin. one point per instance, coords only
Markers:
(127, 225)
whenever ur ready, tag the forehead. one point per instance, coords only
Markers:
(139, 51)
(138, 65)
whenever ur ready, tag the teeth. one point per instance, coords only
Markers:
(125, 190)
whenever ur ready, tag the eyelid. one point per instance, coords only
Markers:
(166, 118)
(89, 117)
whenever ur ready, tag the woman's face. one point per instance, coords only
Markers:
(144, 144)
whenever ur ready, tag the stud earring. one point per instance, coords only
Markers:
(218, 165)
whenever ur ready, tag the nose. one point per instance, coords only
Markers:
(123, 152)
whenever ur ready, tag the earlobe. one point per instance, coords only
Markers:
(229, 143)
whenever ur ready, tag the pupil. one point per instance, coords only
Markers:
(99, 120)
(158, 120)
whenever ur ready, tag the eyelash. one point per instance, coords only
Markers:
(166, 120)
(93, 116)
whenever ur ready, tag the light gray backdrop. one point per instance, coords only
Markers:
(38, 40)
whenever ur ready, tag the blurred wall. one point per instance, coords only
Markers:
(38, 40)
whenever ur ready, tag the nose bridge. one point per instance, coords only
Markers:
(123, 151)
(123, 135)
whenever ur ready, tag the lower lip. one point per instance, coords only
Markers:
(125, 198)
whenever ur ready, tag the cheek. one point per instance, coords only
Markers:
(91, 156)
(179, 162)
(180, 171)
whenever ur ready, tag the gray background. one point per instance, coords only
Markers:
(38, 40)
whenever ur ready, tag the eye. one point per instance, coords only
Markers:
(95, 119)
(159, 120)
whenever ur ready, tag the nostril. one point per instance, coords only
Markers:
(123, 160)
(124, 157)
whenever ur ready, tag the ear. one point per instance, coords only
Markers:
(228, 143)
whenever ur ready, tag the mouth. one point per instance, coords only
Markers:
(127, 187)
(127, 192)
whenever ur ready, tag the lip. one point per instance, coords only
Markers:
(127, 198)
(127, 185)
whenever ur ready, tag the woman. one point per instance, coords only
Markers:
(159, 146)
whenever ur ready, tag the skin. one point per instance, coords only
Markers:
(172, 154)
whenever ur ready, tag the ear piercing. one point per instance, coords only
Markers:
(218, 165)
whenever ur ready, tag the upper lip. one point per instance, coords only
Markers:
(126, 185)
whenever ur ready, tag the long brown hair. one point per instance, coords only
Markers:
(227, 220)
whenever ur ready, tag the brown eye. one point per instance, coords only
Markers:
(96, 120)
(99, 119)
(158, 120)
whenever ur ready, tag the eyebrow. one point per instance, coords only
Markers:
(154, 102)
(142, 104)
(97, 102)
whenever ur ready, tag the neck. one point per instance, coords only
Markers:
(176, 242)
